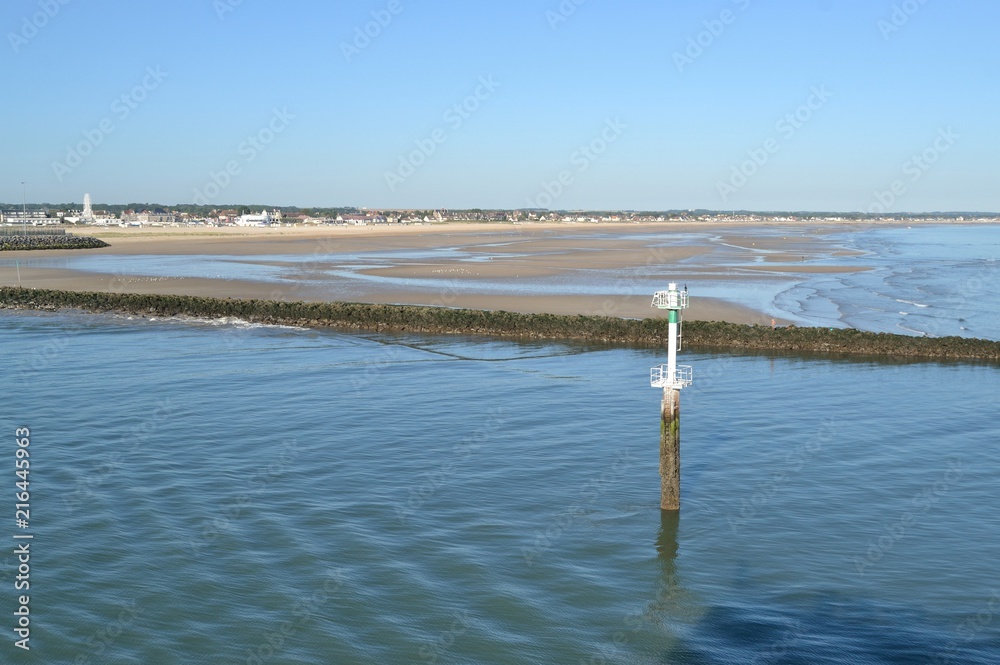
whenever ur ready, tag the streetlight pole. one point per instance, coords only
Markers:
(24, 213)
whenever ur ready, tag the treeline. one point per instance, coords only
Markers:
(709, 336)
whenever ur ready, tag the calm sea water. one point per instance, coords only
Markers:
(214, 492)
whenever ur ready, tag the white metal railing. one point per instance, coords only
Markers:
(670, 299)
(659, 377)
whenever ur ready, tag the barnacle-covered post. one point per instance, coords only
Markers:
(671, 377)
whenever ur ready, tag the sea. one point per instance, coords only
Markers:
(214, 491)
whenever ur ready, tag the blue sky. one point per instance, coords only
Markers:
(724, 104)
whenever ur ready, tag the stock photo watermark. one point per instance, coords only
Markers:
(970, 628)
(462, 452)
(254, 485)
(389, 355)
(133, 439)
(98, 643)
(563, 12)
(634, 283)
(786, 128)
(591, 491)
(897, 529)
(900, 16)
(582, 158)
(249, 149)
(273, 641)
(35, 23)
(670, 600)
(432, 651)
(914, 169)
(23, 538)
(364, 35)
(794, 462)
(454, 116)
(714, 29)
(980, 283)
(778, 649)
(223, 7)
(42, 357)
(121, 108)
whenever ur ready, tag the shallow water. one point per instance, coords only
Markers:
(934, 280)
(925, 280)
(209, 492)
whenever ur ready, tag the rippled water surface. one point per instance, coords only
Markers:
(925, 280)
(212, 492)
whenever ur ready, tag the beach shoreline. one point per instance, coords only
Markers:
(460, 264)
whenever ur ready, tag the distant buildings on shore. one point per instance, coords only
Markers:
(31, 218)
(368, 217)
(265, 218)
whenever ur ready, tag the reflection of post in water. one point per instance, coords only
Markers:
(672, 603)
(669, 588)
(666, 540)
(671, 377)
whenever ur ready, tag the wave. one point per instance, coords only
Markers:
(911, 302)
(912, 331)
(222, 321)
(230, 321)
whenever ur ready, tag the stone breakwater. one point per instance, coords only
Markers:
(699, 335)
(13, 243)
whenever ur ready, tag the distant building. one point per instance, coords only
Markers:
(265, 218)
(362, 219)
(158, 216)
(32, 217)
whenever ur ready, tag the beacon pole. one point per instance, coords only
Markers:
(671, 378)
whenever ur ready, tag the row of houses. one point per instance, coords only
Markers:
(158, 216)
(32, 218)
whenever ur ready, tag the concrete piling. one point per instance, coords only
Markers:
(670, 450)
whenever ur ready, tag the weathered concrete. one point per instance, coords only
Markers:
(670, 451)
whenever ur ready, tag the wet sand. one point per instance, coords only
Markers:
(468, 254)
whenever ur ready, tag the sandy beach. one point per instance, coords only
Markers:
(479, 266)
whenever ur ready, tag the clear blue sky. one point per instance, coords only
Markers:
(679, 128)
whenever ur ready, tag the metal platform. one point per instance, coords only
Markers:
(659, 377)
(671, 299)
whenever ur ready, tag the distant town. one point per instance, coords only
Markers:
(152, 215)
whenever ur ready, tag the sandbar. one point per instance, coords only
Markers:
(395, 264)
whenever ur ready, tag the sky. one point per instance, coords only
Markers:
(831, 105)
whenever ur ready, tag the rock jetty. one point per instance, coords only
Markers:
(14, 243)
(698, 335)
